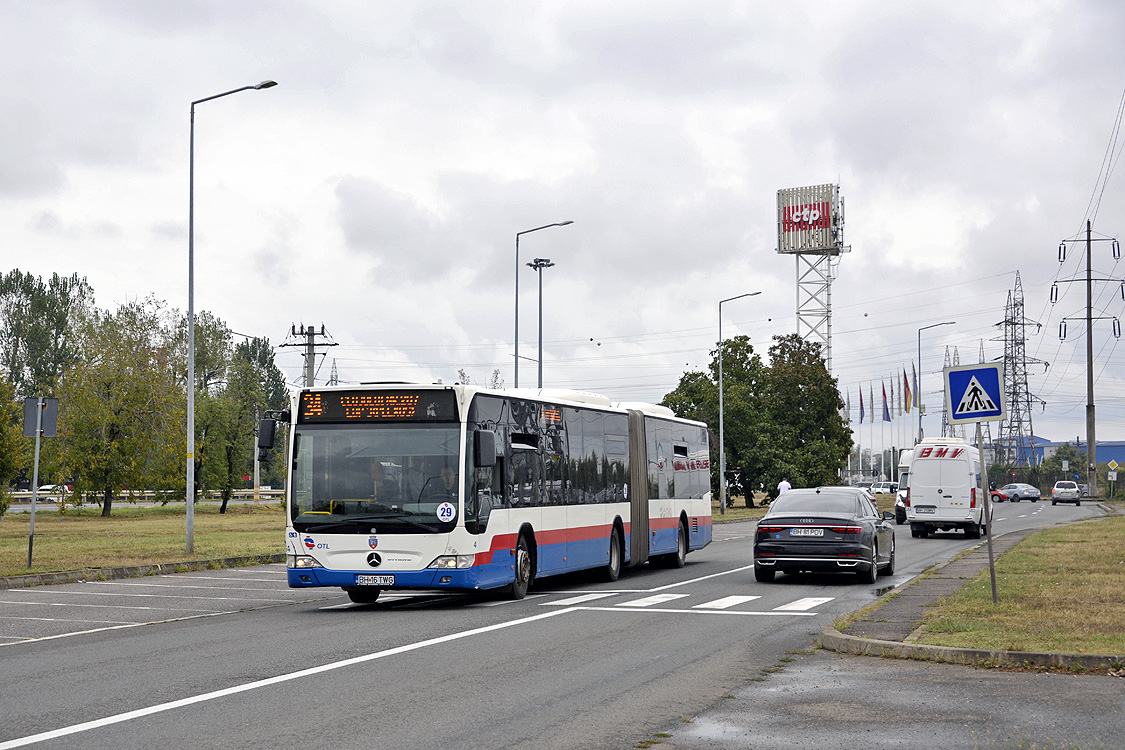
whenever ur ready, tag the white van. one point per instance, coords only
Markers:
(944, 490)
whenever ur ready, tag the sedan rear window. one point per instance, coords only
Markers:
(791, 502)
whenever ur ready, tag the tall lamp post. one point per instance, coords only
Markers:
(191, 311)
(539, 264)
(919, 383)
(516, 360)
(722, 445)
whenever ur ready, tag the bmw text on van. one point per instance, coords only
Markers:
(943, 491)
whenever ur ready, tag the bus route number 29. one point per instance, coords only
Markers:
(446, 512)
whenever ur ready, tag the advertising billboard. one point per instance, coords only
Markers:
(809, 220)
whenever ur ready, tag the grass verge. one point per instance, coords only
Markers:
(1060, 590)
(137, 536)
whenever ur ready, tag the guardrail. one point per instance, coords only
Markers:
(147, 496)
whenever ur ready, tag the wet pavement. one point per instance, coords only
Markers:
(826, 700)
(830, 697)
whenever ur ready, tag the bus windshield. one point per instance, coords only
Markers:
(375, 478)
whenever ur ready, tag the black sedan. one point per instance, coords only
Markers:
(826, 529)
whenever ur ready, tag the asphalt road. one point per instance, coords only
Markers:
(236, 659)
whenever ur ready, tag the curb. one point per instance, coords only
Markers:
(833, 639)
(135, 571)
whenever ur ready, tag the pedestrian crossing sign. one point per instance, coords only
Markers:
(975, 393)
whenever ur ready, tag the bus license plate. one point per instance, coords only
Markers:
(806, 532)
(362, 579)
(930, 509)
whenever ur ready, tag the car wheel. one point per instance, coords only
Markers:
(1034, 499)
(1016, 498)
(763, 575)
(1077, 503)
(872, 573)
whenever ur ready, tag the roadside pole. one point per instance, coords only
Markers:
(987, 513)
(42, 424)
(975, 393)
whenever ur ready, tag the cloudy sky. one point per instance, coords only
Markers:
(378, 189)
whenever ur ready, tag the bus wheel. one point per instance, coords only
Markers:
(679, 557)
(522, 569)
(363, 594)
(613, 569)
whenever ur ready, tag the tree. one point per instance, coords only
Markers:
(37, 328)
(14, 454)
(1052, 468)
(121, 409)
(780, 421)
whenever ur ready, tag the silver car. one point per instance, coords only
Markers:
(1066, 492)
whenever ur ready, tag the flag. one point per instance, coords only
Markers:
(917, 395)
(871, 399)
(886, 414)
(849, 406)
(906, 388)
(861, 405)
(894, 404)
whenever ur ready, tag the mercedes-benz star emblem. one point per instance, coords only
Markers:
(374, 559)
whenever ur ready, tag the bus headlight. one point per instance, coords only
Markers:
(301, 561)
(453, 561)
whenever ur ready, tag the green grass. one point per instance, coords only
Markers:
(1060, 590)
(137, 536)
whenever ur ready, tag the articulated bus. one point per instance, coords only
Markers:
(402, 486)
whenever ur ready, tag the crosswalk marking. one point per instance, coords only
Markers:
(726, 602)
(801, 605)
(650, 601)
(576, 600)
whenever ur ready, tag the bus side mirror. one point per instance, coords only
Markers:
(484, 448)
(266, 430)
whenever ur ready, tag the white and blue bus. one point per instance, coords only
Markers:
(402, 486)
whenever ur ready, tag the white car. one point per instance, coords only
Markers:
(1066, 492)
(52, 491)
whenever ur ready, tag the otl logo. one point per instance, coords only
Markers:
(309, 542)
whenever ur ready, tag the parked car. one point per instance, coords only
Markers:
(1084, 489)
(824, 529)
(1016, 492)
(52, 491)
(1066, 492)
(885, 488)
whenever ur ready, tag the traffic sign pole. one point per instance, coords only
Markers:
(987, 514)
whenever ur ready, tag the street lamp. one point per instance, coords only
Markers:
(539, 264)
(191, 310)
(516, 360)
(918, 385)
(722, 446)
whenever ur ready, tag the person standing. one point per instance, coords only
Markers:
(783, 486)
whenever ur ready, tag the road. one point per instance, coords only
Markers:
(236, 659)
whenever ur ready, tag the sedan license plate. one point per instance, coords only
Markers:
(924, 509)
(362, 579)
(806, 532)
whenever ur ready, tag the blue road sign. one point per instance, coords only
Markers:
(975, 393)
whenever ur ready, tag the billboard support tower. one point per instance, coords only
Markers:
(810, 226)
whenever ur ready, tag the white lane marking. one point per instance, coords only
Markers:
(653, 600)
(575, 600)
(641, 610)
(726, 602)
(97, 606)
(802, 605)
(122, 584)
(502, 602)
(63, 619)
(122, 594)
(703, 578)
(203, 697)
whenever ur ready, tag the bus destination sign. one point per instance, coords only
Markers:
(377, 406)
